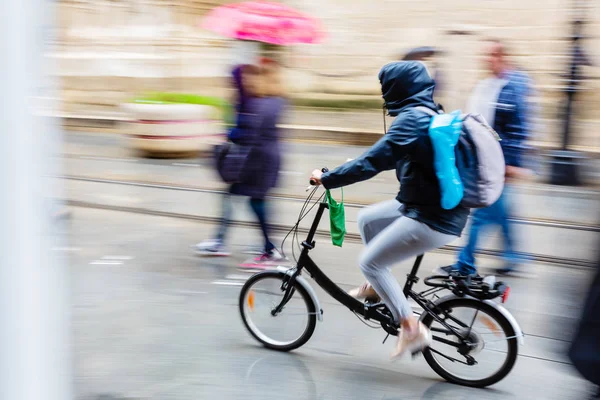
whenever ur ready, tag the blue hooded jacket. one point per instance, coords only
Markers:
(407, 148)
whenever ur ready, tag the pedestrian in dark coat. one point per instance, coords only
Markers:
(257, 132)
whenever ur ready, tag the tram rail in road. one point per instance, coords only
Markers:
(284, 228)
(548, 223)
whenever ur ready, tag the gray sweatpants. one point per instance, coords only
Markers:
(390, 238)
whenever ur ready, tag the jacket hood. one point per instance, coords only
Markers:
(406, 83)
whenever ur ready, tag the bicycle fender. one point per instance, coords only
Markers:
(311, 292)
(518, 332)
(505, 313)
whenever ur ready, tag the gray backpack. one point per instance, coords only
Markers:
(479, 160)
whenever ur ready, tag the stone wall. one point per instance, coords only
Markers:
(110, 50)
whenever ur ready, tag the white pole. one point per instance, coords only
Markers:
(34, 309)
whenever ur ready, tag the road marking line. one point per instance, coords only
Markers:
(65, 249)
(100, 262)
(181, 291)
(122, 258)
(227, 283)
(237, 277)
(107, 159)
(186, 165)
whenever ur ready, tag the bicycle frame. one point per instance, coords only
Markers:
(450, 328)
(376, 311)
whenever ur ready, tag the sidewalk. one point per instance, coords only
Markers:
(314, 125)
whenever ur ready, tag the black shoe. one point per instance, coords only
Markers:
(505, 271)
(452, 271)
(449, 270)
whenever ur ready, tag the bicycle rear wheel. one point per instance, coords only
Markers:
(290, 328)
(488, 352)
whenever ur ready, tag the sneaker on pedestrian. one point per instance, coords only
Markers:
(266, 260)
(449, 270)
(213, 248)
(506, 271)
(412, 342)
(510, 268)
(270, 256)
(452, 271)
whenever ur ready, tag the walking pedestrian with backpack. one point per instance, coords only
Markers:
(500, 100)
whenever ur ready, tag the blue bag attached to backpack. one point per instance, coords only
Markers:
(444, 131)
(468, 159)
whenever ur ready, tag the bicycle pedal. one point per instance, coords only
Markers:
(372, 301)
(415, 354)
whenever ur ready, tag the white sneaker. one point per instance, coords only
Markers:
(212, 248)
(265, 260)
(412, 343)
(272, 256)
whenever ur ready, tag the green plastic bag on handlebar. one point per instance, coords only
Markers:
(337, 219)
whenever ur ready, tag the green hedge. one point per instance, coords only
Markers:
(223, 106)
(339, 104)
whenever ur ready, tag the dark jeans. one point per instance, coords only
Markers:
(258, 207)
(496, 214)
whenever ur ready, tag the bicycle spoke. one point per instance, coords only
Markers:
(473, 321)
(440, 330)
(459, 322)
(445, 341)
(502, 340)
(279, 319)
(265, 291)
(450, 358)
(470, 343)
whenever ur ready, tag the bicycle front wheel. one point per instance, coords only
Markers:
(474, 346)
(286, 330)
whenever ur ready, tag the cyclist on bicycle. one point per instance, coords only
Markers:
(414, 222)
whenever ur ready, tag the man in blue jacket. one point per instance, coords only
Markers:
(502, 101)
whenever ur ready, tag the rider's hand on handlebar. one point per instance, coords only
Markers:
(315, 178)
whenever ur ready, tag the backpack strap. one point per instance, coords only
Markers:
(427, 110)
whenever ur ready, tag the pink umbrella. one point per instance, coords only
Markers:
(262, 21)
